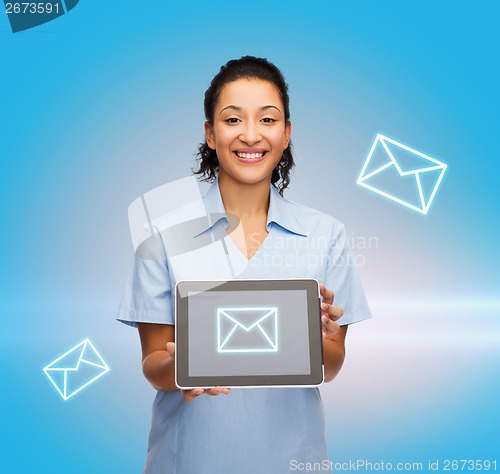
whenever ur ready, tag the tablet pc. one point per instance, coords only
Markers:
(248, 333)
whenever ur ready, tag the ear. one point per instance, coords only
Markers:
(288, 133)
(209, 135)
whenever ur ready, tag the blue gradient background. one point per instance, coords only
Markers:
(106, 103)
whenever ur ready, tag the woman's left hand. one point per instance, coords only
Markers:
(329, 313)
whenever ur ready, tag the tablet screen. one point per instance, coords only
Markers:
(249, 332)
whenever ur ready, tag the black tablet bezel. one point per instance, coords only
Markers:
(185, 381)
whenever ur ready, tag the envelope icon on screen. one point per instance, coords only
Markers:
(76, 369)
(402, 174)
(247, 330)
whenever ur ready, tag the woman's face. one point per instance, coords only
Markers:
(249, 133)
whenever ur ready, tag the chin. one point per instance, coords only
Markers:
(246, 174)
(248, 179)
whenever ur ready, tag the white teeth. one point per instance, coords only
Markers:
(250, 156)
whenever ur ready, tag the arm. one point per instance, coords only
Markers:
(157, 364)
(333, 335)
(158, 355)
(334, 353)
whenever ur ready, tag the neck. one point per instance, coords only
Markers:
(244, 199)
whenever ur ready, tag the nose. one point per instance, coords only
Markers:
(250, 135)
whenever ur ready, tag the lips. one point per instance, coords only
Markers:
(250, 155)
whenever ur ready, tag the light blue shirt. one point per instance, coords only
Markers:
(250, 430)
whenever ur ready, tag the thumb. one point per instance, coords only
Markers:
(171, 349)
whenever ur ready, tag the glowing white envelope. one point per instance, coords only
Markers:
(249, 329)
(402, 167)
(76, 369)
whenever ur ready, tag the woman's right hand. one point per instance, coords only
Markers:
(190, 395)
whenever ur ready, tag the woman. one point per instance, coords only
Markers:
(248, 156)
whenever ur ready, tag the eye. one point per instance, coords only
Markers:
(232, 120)
(268, 120)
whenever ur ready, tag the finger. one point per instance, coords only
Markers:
(190, 395)
(216, 391)
(171, 349)
(329, 326)
(326, 294)
(334, 312)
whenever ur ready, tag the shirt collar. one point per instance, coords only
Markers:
(284, 213)
(214, 208)
(281, 211)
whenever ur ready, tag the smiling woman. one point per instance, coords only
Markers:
(267, 87)
(247, 137)
(249, 134)
(247, 155)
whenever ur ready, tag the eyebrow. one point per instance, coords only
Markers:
(235, 107)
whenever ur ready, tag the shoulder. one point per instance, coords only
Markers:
(311, 214)
(313, 220)
(180, 215)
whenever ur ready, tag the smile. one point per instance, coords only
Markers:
(254, 156)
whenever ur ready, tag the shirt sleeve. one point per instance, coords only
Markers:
(342, 277)
(148, 294)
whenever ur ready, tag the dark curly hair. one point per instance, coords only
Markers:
(245, 68)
